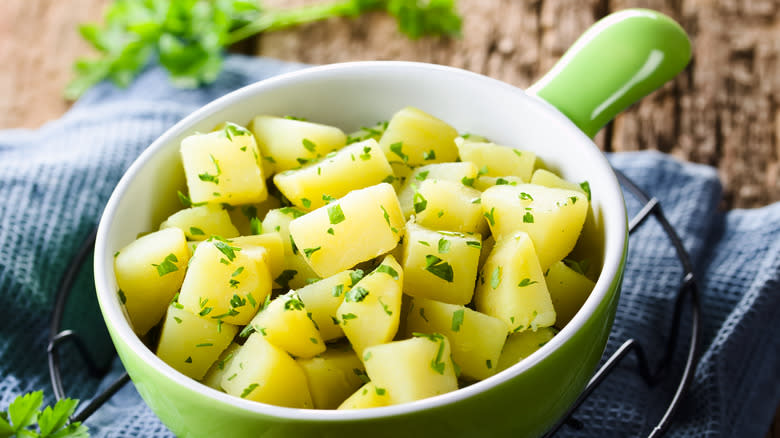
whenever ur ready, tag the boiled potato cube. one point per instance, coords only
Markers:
(416, 138)
(371, 310)
(213, 377)
(323, 299)
(149, 271)
(476, 339)
(202, 222)
(367, 396)
(440, 265)
(463, 173)
(568, 290)
(286, 323)
(295, 269)
(498, 160)
(333, 238)
(520, 345)
(223, 166)
(553, 218)
(353, 167)
(288, 143)
(271, 242)
(511, 285)
(333, 376)
(248, 218)
(412, 369)
(546, 178)
(190, 343)
(449, 206)
(278, 221)
(483, 182)
(226, 283)
(265, 373)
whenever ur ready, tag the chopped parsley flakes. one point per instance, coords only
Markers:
(438, 267)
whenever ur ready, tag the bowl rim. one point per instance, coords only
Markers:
(615, 248)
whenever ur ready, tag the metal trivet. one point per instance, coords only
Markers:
(649, 373)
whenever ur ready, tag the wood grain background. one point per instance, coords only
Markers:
(723, 110)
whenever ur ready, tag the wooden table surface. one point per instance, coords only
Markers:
(724, 110)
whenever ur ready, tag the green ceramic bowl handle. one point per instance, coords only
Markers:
(619, 60)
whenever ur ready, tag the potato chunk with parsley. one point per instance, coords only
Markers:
(476, 339)
(202, 222)
(440, 265)
(511, 285)
(265, 373)
(333, 237)
(191, 343)
(271, 242)
(371, 310)
(367, 396)
(412, 369)
(463, 173)
(295, 270)
(247, 218)
(286, 323)
(213, 377)
(568, 290)
(520, 345)
(449, 206)
(497, 160)
(333, 376)
(288, 143)
(355, 166)
(225, 282)
(223, 166)
(415, 137)
(323, 298)
(149, 271)
(553, 218)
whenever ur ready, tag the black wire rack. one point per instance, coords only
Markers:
(650, 373)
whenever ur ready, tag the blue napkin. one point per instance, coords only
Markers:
(55, 181)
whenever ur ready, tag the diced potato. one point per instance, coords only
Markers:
(149, 271)
(520, 345)
(265, 373)
(353, 167)
(463, 173)
(333, 376)
(498, 160)
(476, 339)
(202, 222)
(214, 375)
(243, 216)
(223, 166)
(190, 343)
(412, 369)
(334, 237)
(416, 138)
(286, 323)
(440, 265)
(288, 143)
(278, 221)
(226, 283)
(322, 300)
(511, 285)
(271, 242)
(543, 177)
(371, 310)
(367, 396)
(553, 218)
(449, 206)
(295, 269)
(485, 182)
(568, 290)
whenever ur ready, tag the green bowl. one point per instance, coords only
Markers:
(619, 60)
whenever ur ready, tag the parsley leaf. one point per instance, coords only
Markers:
(420, 203)
(389, 271)
(356, 295)
(397, 148)
(167, 266)
(457, 319)
(526, 282)
(335, 214)
(24, 411)
(438, 267)
(586, 188)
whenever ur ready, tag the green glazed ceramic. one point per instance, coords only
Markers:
(620, 59)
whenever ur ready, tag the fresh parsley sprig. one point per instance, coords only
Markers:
(190, 37)
(25, 412)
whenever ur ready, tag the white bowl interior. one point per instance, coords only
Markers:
(351, 95)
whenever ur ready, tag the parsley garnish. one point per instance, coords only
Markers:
(387, 219)
(457, 319)
(501, 182)
(283, 280)
(526, 282)
(205, 344)
(196, 231)
(205, 176)
(495, 277)
(444, 246)
(430, 155)
(347, 316)
(122, 296)
(291, 211)
(256, 226)
(525, 196)
(309, 251)
(231, 129)
(397, 148)
(518, 153)
(422, 175)
(331, 231)
(356, 295)
(168, 265)
(489, 364)
(293, 302)
(355, 276)
(528, 218)
(188, 359)
(306, 202)
(335, 214)
(379, 391)
(248, 390)
(585, 188)
(422, 242)
(490, 216)
(389, 271)
(438, 267)
(237, 301)
(25, 411)
(474, 243)
(309, 145)
(436, 363)
(366, 155)
(338, 290)
(389, 179)
(420, 203)
(580, 267)
(385, 307)
(573, 199)
(328, 198)
(469, 182)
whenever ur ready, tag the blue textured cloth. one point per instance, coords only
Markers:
(55, 181)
